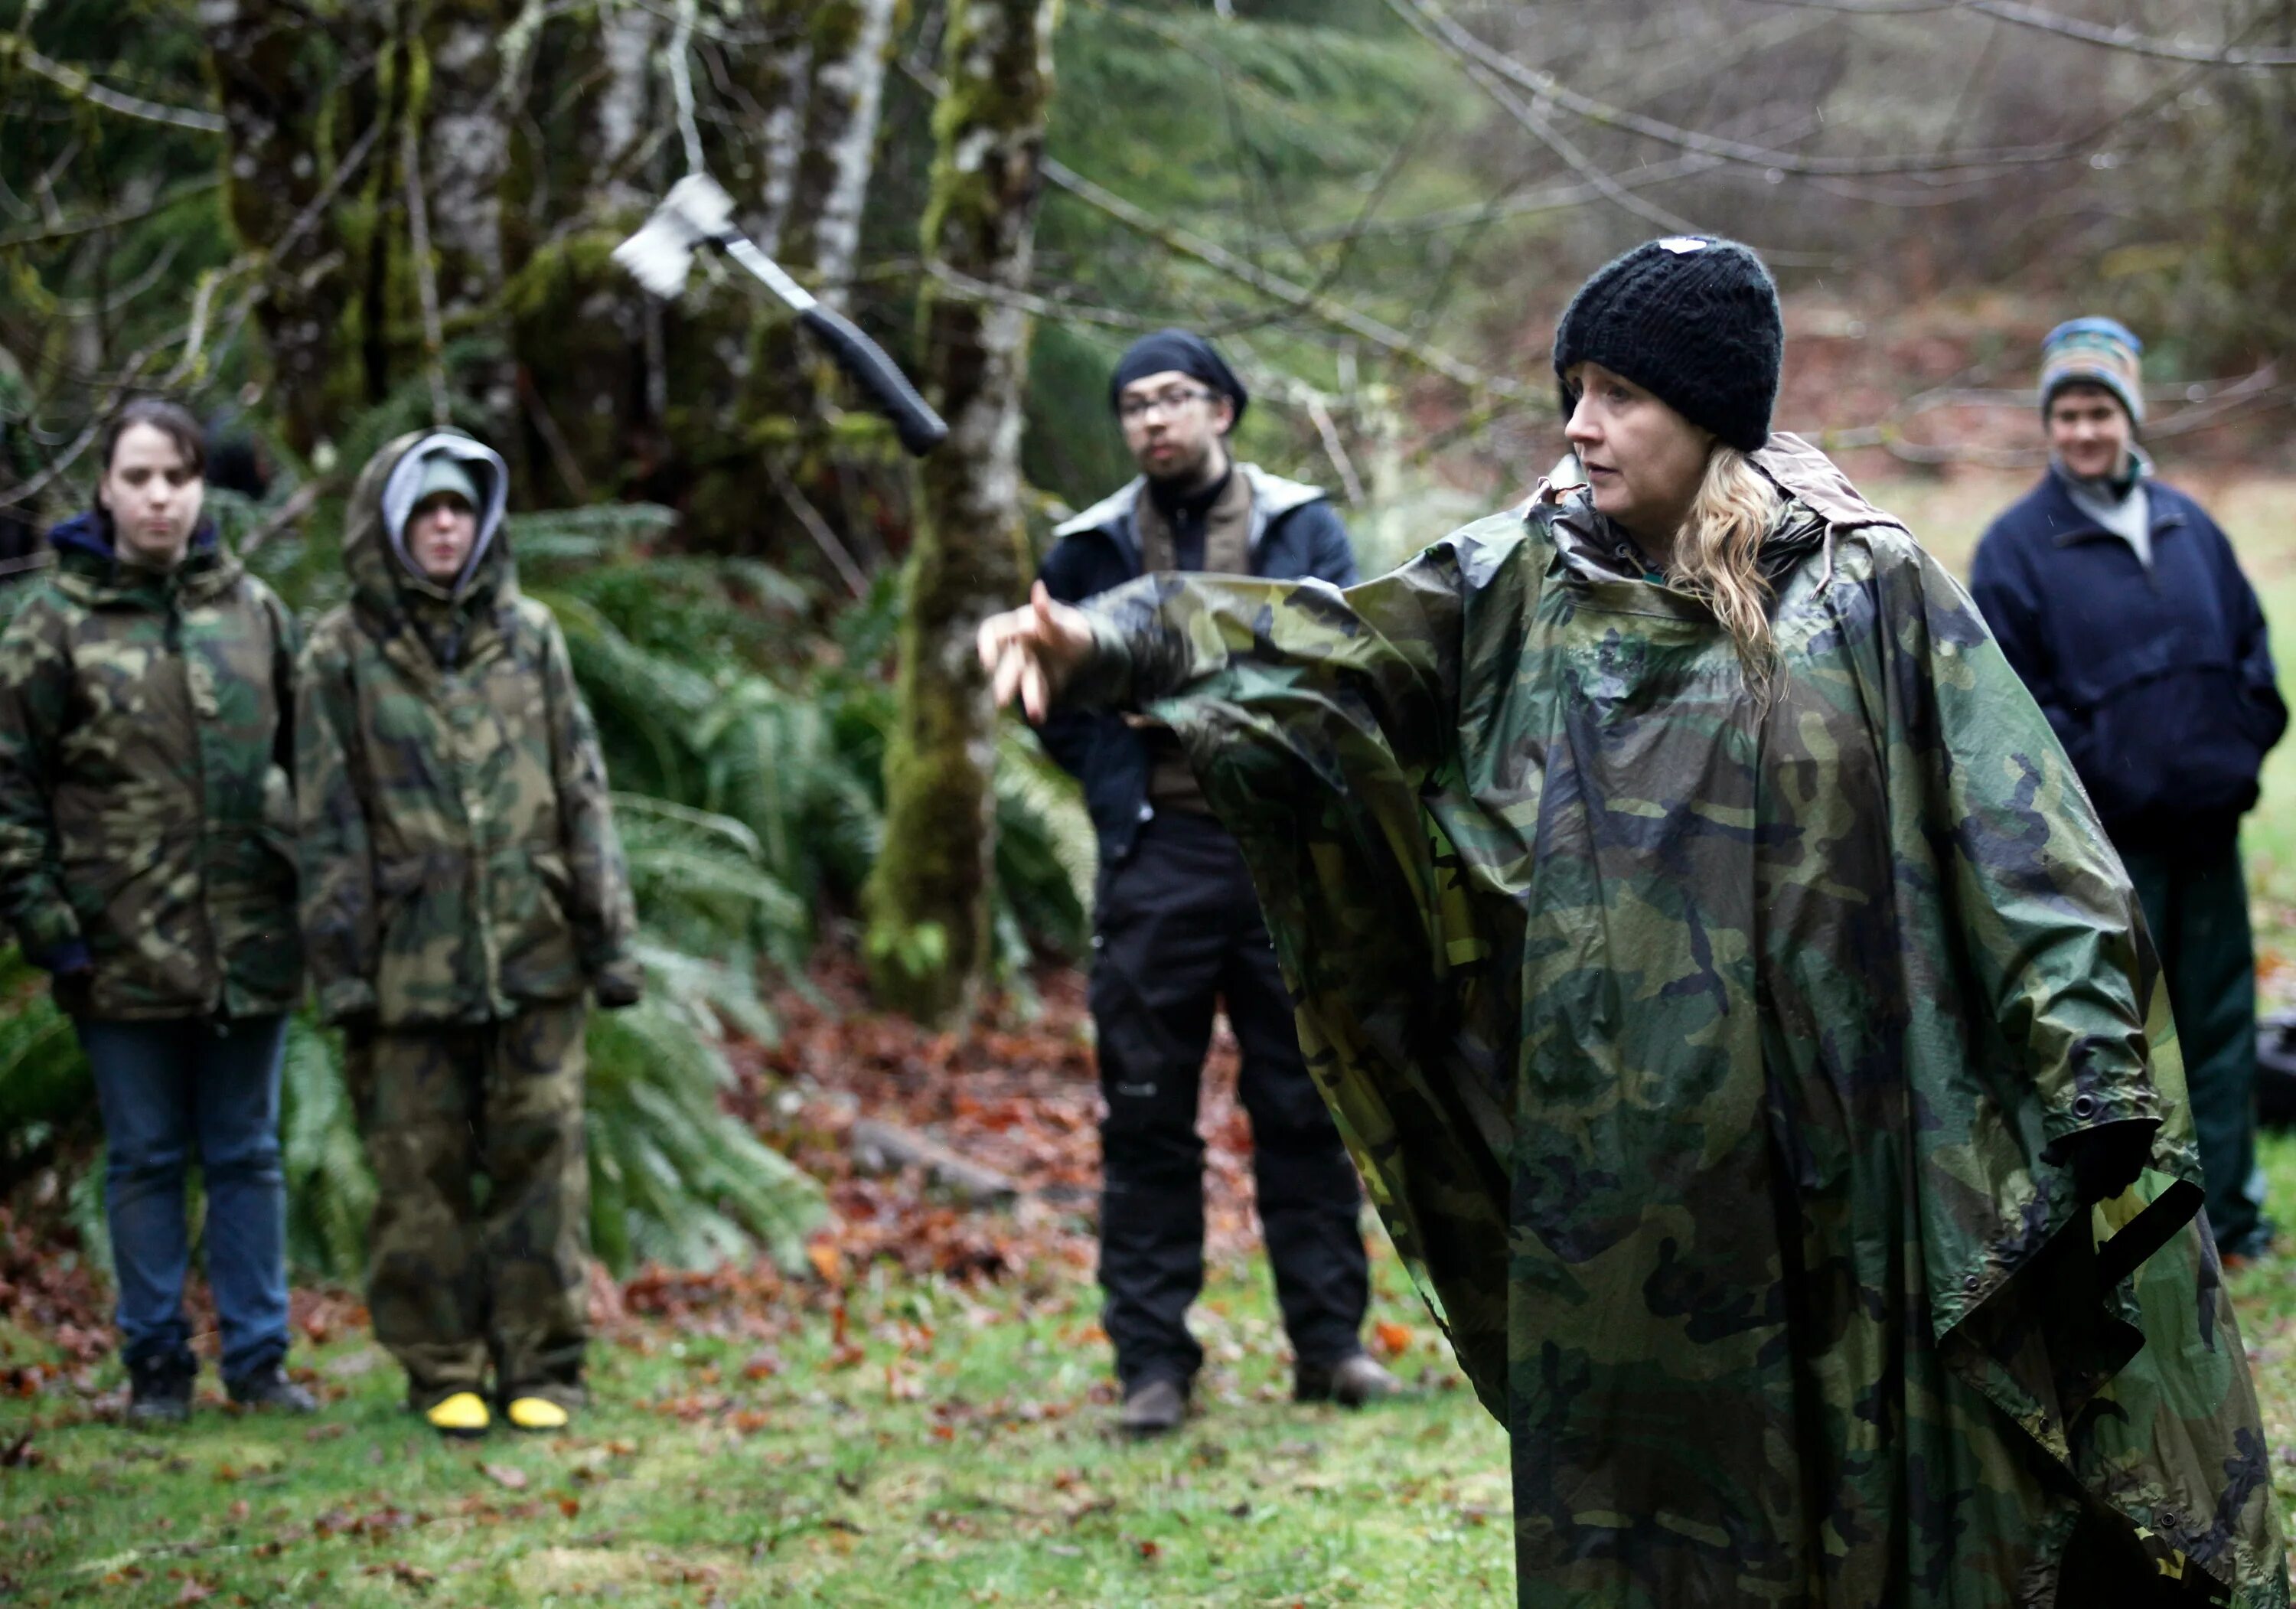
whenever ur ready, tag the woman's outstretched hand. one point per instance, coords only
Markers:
(1033, 651)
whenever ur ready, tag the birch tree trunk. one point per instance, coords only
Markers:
(850, 41)
(929, 939)
(464, 129)
(820, 153)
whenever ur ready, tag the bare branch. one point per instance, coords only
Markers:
(1384, 336)
(1058, 308)
(2207, 404)
(112, 220)
(839, 556)
(105, 305)
(2120, 38)
(1551, 197)
(301, 502)
(1466, 45)
(1532, 116)
(1336, 450)
(426, 278)
(80, 86)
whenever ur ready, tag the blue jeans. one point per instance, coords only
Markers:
(167, 1087)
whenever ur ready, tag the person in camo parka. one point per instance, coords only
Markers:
(147, 861)
(464, 886)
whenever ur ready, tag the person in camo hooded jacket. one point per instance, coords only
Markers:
(464, 886)
(146, 861)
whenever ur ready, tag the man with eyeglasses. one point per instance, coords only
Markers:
(1179, 927)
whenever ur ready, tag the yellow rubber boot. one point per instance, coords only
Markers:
(536, 1413)
(464, 1414)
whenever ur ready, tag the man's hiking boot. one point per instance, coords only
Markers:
(1350, 1382)
(1153, 1407)
(159, 1390)
(462, 1415)
(269, 1387)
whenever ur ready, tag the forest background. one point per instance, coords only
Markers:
(325, 222)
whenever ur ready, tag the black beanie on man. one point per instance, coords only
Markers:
(1185, 352)
(1691, 319)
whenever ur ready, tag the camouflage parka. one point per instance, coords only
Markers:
(460, 859)
(146, 817)
(1709, 1057)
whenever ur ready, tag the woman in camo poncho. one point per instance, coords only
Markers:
(1746, 1031)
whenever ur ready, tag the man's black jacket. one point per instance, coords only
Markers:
(1294, 535)
(2159, 681)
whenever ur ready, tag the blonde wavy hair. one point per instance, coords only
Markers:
(1717, 553)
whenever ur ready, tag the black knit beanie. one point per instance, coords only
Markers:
(1181, 351)
(1692, 320)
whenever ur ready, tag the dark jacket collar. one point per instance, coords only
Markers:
(2068, 523)
(1272, 498)
(84, 549)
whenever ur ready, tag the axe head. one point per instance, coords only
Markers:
(696, 211)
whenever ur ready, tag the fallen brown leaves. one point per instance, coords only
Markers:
(1020, 1097)
(50, 1294)
(1016, 1096)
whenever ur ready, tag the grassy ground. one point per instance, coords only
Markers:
(950, 1450)
(935, 1447)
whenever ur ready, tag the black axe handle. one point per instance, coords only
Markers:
(920, 428)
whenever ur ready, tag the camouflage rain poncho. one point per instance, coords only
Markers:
(1706, 1062)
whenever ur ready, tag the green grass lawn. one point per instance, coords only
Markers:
(951, 1448)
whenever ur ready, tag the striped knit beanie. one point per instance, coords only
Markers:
(2094, 351)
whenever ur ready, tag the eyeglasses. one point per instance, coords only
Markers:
(1170, 400)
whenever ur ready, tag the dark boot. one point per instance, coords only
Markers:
(1350, 1382)
(159, 1389)
(1153, 1407)
(269, 1387)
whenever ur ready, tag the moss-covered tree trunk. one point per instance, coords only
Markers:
(290, 129)
(929, 897)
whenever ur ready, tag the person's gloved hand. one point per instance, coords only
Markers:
(617, 985)
(74, 990)
(2106, 1160)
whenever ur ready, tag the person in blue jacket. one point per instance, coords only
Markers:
(1177, 926)
(2122, 605)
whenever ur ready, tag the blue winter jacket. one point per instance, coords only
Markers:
(1294, 535)
(2159, 682)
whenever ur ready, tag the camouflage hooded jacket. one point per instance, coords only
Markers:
(459, 854)
(146, 817)
(1709, 1059)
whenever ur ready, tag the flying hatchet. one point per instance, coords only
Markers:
(696, 212)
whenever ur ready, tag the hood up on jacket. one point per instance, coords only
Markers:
(386, 586)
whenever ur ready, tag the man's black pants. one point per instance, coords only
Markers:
(1179, 928)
